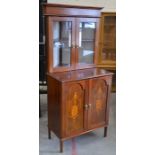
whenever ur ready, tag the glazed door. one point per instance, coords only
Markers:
(73, 105)
(98, 93)
(108, 51)
(61, 51)
(86, 42)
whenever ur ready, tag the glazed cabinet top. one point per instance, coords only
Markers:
(72, 36)
(79, 74)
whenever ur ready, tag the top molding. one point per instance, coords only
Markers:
(71, 10)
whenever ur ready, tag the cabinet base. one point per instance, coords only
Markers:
(62, 140)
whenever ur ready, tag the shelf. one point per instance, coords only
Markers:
(41, 43)
(109, 24)
(108, 61)
(87, 40)
(108, 48)
(62, 65)
(109, 34)
(107, 67)
(66, 40)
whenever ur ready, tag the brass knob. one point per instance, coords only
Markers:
(86, 106)
(89, 105)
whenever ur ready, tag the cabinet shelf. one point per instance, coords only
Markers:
(105, 25)
(87, 40)
(109, 47)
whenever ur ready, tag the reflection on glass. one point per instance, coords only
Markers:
(86, 42)
(61, 43)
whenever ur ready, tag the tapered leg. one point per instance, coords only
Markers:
(105, 131)
(49, 133)
(61, 146)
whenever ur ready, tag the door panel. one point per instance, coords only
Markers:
(62, 43)
(86, 41)
(74, 108)
(97, 102)
(62, 39)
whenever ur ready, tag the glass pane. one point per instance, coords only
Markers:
(109, 47)
(86, 42)
(62, 43)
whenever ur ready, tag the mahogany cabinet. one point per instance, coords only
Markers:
(78, 91)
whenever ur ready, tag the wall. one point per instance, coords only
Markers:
(109, 5)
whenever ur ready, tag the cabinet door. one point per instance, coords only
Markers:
(98, 94)
(86, 42)
(73, 108)
(60, 40)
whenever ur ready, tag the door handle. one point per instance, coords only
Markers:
(86, 106)
(89, 105)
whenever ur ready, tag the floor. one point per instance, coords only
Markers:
(92, 143)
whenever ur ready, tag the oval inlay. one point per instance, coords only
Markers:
(74, 111)
(98, 105)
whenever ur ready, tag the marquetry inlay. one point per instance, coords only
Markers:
(98, 105)
(74, 108)
(99, 101)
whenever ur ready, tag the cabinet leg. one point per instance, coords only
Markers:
(61, 146)
(105, 131)
(49, 134)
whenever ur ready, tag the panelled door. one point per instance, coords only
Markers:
(61, 39)
(86, 42)
(73, 105)
(98, 92)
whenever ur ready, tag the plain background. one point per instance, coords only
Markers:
(19, 77)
